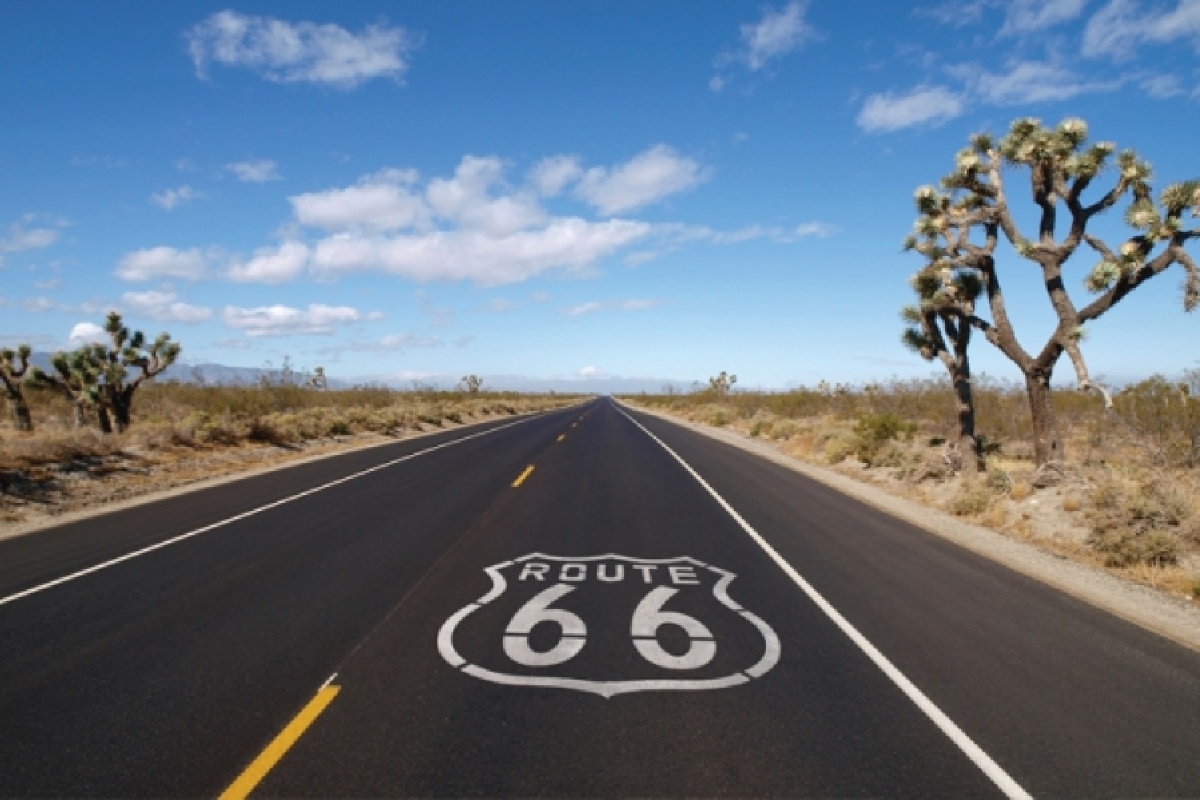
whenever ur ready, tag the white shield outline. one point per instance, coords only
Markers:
(607, 689)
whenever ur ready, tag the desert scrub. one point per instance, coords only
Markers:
(873, 431)
(971, 499)
(1143, 525)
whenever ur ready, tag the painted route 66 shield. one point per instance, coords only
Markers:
(609, 624)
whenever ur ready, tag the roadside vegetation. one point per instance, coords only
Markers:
(1126, 496)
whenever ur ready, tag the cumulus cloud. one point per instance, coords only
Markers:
(279, 320)
(383, 201)
(924, 105)
(552, 175)
(163, 262)
(467, 200)
(1118, 29)
(271, 264)
(646, 178)
(172, 198)
(261, 171)
(592, 372)
(164, 306)
(291, 52)
(774, 35)
(87, 333)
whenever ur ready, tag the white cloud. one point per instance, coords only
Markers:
(22, 237)
(1119, 28)
(585, 308)
(466, 200)
(271, 265)
(281, 320)
(646, 178)
(501, 305)
(551, 175)
(958, 14)
(1163, 86)
(38, 305)
(382, 201)
(164, 306)
(924, 105)
(87, 333)
(171, 198)
(261, 171)
(289, 52)
(392, 343)
(1028, 82)
(813, 228)
(1028, 16)
(776, 34)
(635, 304)
(592, 372)
(163, 262)
(565, 243)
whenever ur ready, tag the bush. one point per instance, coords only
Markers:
(872, 431)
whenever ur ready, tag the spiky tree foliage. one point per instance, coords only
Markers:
(721, 384)
(959, 225)
(13, 367)
(116, 361)
(471, 384)
(318, 380)
(77, 377)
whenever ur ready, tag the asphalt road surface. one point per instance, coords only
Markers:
(564, 604)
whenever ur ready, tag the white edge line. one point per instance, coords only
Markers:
(964, 742)
(246, 514)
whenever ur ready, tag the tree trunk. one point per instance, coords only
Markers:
(1047, 446)
(22, 421)
(103, 420)
(77, 407)
(121, 402)
(968, 442)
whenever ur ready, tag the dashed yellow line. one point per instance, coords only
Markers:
(562, 436)
(266, 760)
(522, 477)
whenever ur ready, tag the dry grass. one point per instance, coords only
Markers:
(1130, 498)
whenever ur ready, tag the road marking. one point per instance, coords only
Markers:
(268, 758)
(562, 436)
(253, 512)
(522, 477)
(964, 742)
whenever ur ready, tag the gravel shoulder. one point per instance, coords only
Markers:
(1176, 619)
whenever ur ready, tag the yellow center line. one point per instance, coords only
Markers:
(258, 770)
(562, 436)
(523, 476)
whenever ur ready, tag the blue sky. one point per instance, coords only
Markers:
(556, 190)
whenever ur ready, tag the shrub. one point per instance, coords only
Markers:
(872, 431)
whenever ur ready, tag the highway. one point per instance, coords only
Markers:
(585, 602)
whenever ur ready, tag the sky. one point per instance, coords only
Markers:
(575, 192)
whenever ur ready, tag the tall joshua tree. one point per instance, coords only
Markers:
(1061, 167)
(13, 366)
(471, 384)
(939, 326)
(125, 352)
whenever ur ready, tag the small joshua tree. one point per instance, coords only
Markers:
(722, 384)
(1061, 168)
(13, 366)
(318, 380)
(77, 377)
(471, 384)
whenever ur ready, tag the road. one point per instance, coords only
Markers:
(590, 601)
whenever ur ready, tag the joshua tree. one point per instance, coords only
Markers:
(126, 351)
(973, 199)
(721, 384)
(77, 376)
(471, 384)
(940, 327)
(318, 380)
(13, 366)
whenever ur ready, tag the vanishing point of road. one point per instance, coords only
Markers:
(589, 601)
